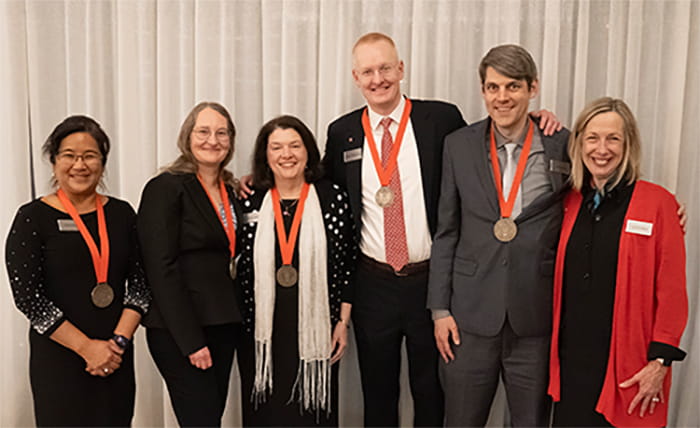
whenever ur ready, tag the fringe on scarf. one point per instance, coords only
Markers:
(312, 387)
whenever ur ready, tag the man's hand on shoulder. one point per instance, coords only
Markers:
(549, 124)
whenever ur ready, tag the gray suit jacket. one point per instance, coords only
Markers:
(478, 278)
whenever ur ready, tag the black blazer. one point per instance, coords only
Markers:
(186, 256)
(431, 121)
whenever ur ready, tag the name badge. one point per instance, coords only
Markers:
(560, 167)
(352, 155)
(67, 225)
(639, 227)
(251, 217)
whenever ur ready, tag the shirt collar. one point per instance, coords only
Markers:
(375, 118)
(502, 141)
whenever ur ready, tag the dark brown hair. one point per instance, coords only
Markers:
(262, 174)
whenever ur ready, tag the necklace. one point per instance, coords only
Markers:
(286, 208)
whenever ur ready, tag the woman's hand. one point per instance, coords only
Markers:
(339, 340)
(201, 359)
(651, 382)
(101, 357)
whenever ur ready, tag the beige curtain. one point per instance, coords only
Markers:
(139, 66)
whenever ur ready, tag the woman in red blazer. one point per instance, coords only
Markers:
(620, 303)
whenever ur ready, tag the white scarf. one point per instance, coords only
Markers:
(312, 387)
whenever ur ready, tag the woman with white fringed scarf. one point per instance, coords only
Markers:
(296, 267)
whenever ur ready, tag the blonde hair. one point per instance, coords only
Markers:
(186, 162)
(630, 167)
(371, 38)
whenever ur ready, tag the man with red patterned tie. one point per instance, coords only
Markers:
(388, 157)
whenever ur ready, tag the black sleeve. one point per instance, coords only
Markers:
(24, 261)
(667, 352)
(342, 247)
(137, 295)
(158, 226)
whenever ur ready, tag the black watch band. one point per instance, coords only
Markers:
(121, 341)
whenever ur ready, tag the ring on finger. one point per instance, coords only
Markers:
(655, 399)
(106, 370)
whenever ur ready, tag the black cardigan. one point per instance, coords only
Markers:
(340, 243)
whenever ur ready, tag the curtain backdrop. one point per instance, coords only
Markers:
(139, 66)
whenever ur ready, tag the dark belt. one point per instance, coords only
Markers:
(409, 269)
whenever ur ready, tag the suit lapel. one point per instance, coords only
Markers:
(203, 205)
(550, 150)
(354, 139)
(424, 133)
(482, 162)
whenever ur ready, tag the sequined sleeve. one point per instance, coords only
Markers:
(342, 249)
(138, 294)
(24, 261)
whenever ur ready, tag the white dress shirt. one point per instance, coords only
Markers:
(372, 232)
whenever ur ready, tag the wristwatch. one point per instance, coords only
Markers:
(121, 341)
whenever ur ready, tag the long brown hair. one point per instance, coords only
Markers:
(186, 163)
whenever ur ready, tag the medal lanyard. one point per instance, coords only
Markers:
(384, 174)
(507, 205)
(229, 228)
(100, 259)
(287, 244)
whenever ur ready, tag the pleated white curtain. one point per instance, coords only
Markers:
(139, 66)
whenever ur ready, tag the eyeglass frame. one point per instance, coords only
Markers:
(383, 70)
(70, 157)
(196, 131)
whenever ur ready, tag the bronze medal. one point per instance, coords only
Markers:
(505, 229)
(287, 276)
(384, 196)
(232, 268)
(102, 295)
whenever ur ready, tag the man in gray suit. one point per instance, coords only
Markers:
(499, 215)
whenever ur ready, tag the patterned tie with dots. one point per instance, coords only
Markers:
(394, 224)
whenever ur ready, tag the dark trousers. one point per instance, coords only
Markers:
(388, 309)
(470, 380)
(198, 396)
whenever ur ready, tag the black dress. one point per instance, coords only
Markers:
(279, 409)
(51, 275)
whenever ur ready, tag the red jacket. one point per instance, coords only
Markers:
(651, 303)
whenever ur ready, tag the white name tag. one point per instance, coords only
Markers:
(639, 227)
(67, 225)
(352, 155)
(251, 217)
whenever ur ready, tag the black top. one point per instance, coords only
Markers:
(589, 276)
(52, 275)
(340, 243)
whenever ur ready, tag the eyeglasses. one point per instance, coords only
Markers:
(89, 158)
(383, 71)
(202, 134)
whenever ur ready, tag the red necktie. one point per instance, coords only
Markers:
(394, 224)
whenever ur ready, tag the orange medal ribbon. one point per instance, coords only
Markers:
(100, 259)
(385, 174)
(507, 205)
(229, 228)
(287, 243)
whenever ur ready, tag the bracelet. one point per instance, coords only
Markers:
(121, 341)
